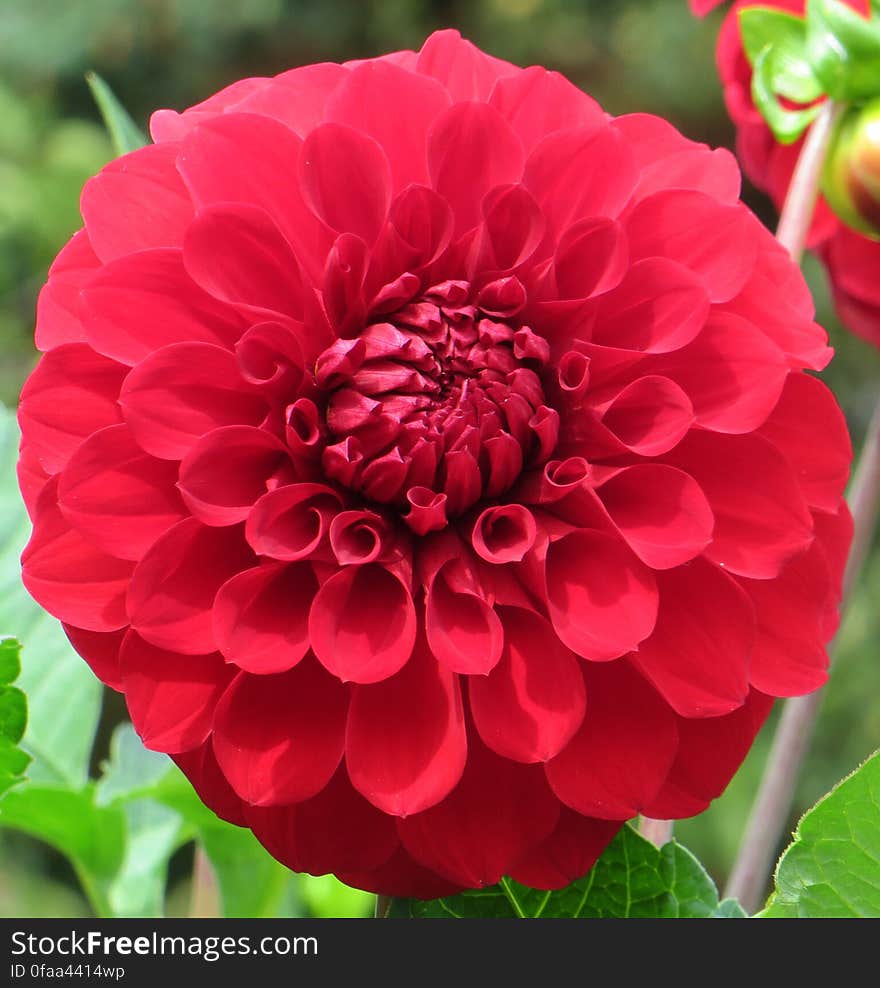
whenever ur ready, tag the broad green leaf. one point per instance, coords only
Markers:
(844, 50)
(326, 896)
(13, 717)
(132, 769)
(787, 125)
(64, 698)
(124, 132)
(786, 35)
(633, 878)
(832, 868)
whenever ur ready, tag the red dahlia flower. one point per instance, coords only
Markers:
(428, 457)
(852, 260)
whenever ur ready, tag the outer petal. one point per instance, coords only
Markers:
(405, 742)
(617, 762)
(101, 651)
(261, 616)
(171, 697)
(362, 624)
(530, 705)
(497, 812)
(66, 574)
(467, 72)
(279, 739)
(201, 768)
(184, 391)
(58, 306)
(173, 587)
(602, 600)
(700, 653)
(403, 877)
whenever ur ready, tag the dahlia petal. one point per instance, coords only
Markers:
(136, 202)
(68, 576)
(270, 356)
(494, 815)
(659, 306)
(715, 241)
(699, 655)
(228, 470)
(32, 478)
(649, 416)
(298, 97)
(334, 830)
(672, 526)
(171, 697)
(183, 391)
(652, 137)
(424, 223)
(247, 158)
(581, 173)
(346, 180)
(504, 534)
(471, 149)
(713, 171)
(400, 876)
(710, 750)
(201, 769)
(293, 521)
(602, 600)
(173, 587)
(616, 763)
(732, 373)
(359, 537)
(237, 254)
(464, 632)
(362, 624)
(72, 393)
(362, 102)
(567, 854)
(101, 650)
(405, 744)
(591, 259)
(58, 304)
(261, 617)
(465, 71)
(145, 301)
(168, 125)
(809, 429)
(536, 102)
(117, 496)
(530, 705)
(758, 525)
(279, 739)
(789, 658)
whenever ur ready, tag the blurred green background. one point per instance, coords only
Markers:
(632, 55)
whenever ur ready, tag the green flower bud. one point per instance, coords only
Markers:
(851, 179)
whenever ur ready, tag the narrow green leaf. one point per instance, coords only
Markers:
(64, 698)
(633, 878)
(787, 125)
(786, 35)
(124, 132)
(832, 868)
(844, 49)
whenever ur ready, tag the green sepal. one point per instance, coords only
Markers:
(787, 125)
(844, 49)
(786, 35)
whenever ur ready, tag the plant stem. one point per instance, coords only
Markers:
(204, 899)
(383, 906)
(797, 212)
(658, 832)
(773, 802)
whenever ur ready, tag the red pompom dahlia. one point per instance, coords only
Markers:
(428, 457)
(852, 260)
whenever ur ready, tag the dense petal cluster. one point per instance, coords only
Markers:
(429, 459)
(851, 258)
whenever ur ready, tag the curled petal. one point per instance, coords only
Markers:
(279, 739)
(359, 537)
(504, 534)
(362, 624)
(292, 522)
(405, 742)
(602, 600)
(261, 616)
(649, 416)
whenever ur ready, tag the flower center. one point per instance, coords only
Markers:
(440, 405)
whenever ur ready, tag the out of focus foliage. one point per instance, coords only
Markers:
(632, 55)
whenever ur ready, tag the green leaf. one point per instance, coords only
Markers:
(13, 717)
(64, 698)
(124, 132)
(786, 35)
(787, 125)
(844, 49)
(832, 868)
(633, 878)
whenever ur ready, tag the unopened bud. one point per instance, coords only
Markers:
(851, 181)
